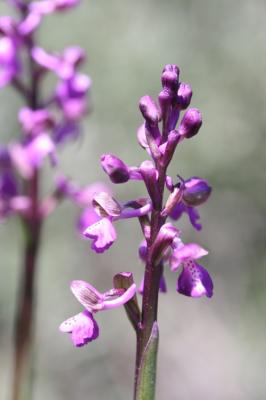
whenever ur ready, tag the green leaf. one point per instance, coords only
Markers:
(147, 375)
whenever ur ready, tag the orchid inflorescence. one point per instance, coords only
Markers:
(46, 123)
(162, 243)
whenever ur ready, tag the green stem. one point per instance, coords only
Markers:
(145, 388)
(24, 328)
(146, 328)
(24, 323)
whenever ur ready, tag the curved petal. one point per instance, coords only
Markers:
(194, 218)
(120, 300)
(194, 281)
(192, 213)
(87, 295)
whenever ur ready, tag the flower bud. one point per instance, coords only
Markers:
(165, 99)
(115, 168)
(164, 239)
(150, 176)
(196, 191)
(184, 95)
(191, 123)
(170, 77)
(172, 141)
(149, 110)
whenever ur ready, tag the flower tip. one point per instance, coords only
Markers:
(191, 123)
(149, 110)
(184, 95)
(170, 76)
(75, 284)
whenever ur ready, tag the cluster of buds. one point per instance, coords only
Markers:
(159, 135)
(47, 122)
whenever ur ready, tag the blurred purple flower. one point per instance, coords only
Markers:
(34, 122)
(38, 9)
(71, 96)
(9, 43)
(30, 156)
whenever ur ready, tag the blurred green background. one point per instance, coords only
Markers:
(209, 349)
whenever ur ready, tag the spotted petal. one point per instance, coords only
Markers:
(82, 327)
(194, 281)
(184, 253)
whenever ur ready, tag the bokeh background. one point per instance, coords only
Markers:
(209, 349)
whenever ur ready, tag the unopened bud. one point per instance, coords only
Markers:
(165, 99)
(115, 168)
(184, 95)
(170, 76)
(196, 191)
(149, 110)
(191, 123)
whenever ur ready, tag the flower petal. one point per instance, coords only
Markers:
(183, 253)
(87, 295)
(194, 281)
(82, 327)
(103, 234)
(120, 300)
(86, 218)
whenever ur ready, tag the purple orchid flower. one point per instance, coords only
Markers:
(193, 192)
(102, 232)
(71, 96)
(194, 280)
(64, 65)
(34, 122)
(31, 156)
(82, 327)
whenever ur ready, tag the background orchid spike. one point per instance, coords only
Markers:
(47, 120)
(82, 327)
